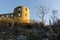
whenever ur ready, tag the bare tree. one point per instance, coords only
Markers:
(42, 12)
(54, 15)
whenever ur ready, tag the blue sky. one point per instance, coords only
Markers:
(7, 6)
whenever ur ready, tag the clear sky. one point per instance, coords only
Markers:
(7, 6)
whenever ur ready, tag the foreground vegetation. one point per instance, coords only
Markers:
(33, 31)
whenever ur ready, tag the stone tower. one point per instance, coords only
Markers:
(22, 14)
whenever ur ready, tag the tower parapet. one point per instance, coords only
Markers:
(22, 13)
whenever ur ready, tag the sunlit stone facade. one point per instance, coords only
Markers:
(21, 14)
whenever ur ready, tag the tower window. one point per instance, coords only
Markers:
(26, 9)
(19, 14)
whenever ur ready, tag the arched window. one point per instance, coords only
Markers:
(19, 13)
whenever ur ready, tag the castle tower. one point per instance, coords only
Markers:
(22, 13)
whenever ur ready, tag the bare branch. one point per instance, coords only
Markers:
(42, 12)
(47, 11)
(38, 8)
